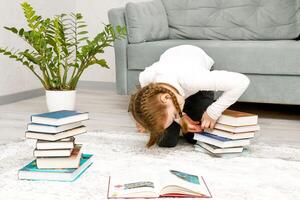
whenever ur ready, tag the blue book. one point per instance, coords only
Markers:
(219, 141)
(59, 118)
(223, 139)
(31, 172)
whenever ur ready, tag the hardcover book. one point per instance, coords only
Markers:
(58, 118)
(230, 135)
(66, 143)
(61, 162)
(237, 118)
(31, 172)
(217, 150)
(220, 141)
(237, 129)
(171, 183)
(51, 128)
(55, 136)
(52, 153)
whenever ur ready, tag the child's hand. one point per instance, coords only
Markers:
(140, 128)
(207, 121)
(193, 126)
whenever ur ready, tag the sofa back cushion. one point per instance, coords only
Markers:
(146, 21)
(233, 19)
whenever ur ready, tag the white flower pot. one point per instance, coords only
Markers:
(60, 100)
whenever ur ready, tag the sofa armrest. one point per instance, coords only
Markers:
(116, 17)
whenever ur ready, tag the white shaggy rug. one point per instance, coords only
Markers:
(263, 172)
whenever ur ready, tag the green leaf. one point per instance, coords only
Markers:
(12, 29)
(78, 16)
(83, 39)
(82, 26)
(21, 31)
(82, 32)
(102, 62)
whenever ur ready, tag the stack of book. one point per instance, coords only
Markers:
(232, 132)
(58, 157)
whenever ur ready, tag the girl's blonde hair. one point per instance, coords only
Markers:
(150, 113)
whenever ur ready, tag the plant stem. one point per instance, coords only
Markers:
(43, 82)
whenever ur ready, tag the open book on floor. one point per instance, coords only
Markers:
(171, 183)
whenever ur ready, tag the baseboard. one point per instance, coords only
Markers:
(11, 98)
(92, 85)
(96, 85)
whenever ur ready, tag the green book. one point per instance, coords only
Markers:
(31, 172)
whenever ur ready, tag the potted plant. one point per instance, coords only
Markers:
(60, 52)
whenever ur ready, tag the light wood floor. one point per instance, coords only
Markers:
(280, 125)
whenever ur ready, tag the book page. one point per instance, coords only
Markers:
(135, 185)
(175, 181)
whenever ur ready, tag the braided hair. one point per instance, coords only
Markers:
(149, 112)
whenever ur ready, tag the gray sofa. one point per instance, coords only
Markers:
(254, 37)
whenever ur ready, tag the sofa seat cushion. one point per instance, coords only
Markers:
(252, 57)
(233, 19)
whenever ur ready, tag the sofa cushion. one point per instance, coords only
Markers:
(146, 21)
(251, 57)
(233, 19)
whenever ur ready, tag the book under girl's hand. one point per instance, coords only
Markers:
(169, 183)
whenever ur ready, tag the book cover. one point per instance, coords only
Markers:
(237, 118)
(58, 118)
(55, 136)
(46, 128)
(220, 141)
(237, 129)
(230, 135)
(236, 114)
(58, 114)
(217, 150)
(216, 137)
(65, 143)
(32, 172)
(52, 153)
(72, 161)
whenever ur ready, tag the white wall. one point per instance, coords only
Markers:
(14, 77)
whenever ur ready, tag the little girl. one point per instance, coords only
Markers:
(177, 93)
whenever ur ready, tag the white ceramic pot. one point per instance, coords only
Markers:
(60, 100)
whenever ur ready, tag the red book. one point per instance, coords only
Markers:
(237, 118)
